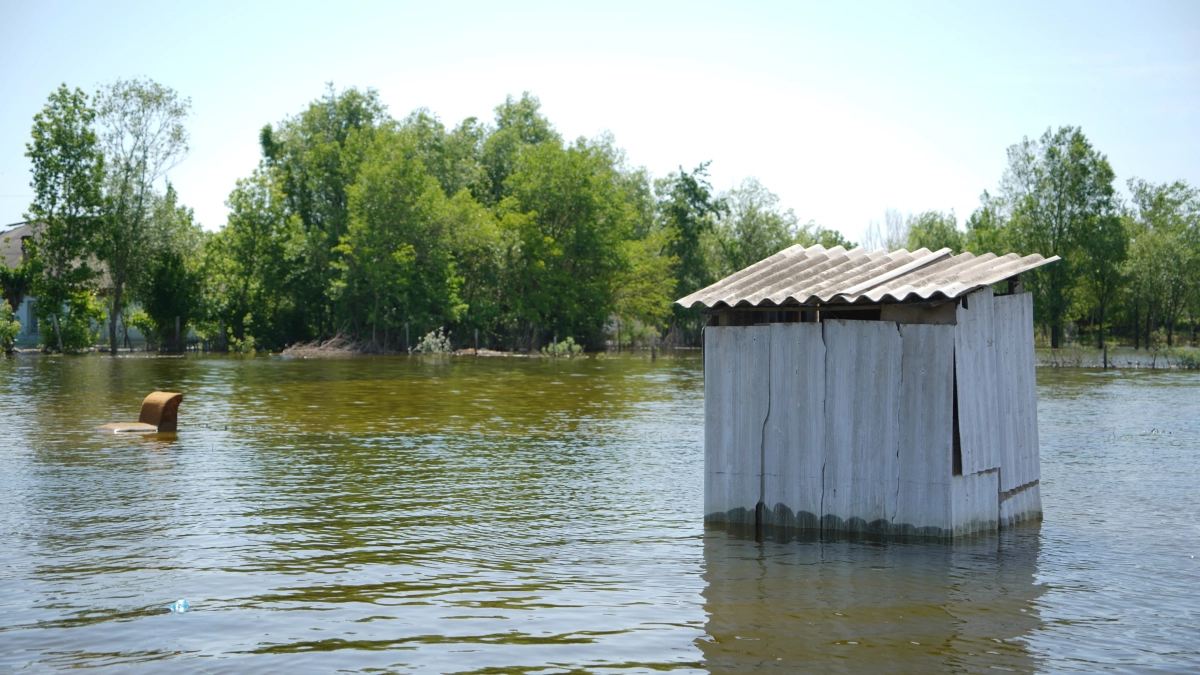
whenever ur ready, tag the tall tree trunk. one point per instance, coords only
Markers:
(1055, 333)
(1149, 314)
(1100, 325)
(112, 317)
(57, 333)
(1137, 334)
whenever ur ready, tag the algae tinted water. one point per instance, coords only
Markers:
(512, 515)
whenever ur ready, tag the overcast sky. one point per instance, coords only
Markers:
(841, 109)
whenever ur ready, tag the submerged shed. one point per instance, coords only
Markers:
(866, 391)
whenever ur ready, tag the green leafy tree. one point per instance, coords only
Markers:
(1056, 189)
(570, 215)
(316, 157)
(519, 125)
(16, 282)
(395, 258)
(987, 230)
(752, 227)
(1165, 251)
(68, 171)
(144, 138)
(1099, 263)
(250, 263)
(935, 230)
(646, 286)
(169, 281)
(452, 157)
(688, 210)
(10, 328)
(479, 247)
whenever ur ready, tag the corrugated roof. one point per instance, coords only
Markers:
(816, 275)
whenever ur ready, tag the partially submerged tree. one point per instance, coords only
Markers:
(68, 169)
(1057, 190)
(169, 281)
(144, 137)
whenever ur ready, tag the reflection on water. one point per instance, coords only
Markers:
(405, 515)
(870, 608)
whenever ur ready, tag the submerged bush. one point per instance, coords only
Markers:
(1185, 359)
(9, 328)
(566, 348)
(434, 342)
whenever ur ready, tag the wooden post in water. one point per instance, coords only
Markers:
(406, 347)
(178, 343)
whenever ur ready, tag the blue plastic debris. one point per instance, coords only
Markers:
(179, 606)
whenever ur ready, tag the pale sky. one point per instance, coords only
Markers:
(841, 109)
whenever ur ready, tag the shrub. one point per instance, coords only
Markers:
(9, 328)
(434, 342)
(566, 348)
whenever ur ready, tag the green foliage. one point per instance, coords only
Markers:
(138, 319)
(67, 170)
(315, 157)
(1185, 359)
(169, 280)
(935, 230)
(396, 258)
(752, 227)
(1057, 189)
(688, 210)
(813, 235)
(143, 137)
(1164, 251)
(568, 211)
(250, 265)
(434, 342)
(520, 125)
(986, 229)
(10, 328)
(566, 348)
(17, 282)
(645, 287)
(78, 320)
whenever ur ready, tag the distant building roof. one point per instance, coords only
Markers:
(816, 275)
(10, 243)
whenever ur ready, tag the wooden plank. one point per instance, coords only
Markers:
(926, 431)
(975, 500)
(975, 368)
(793, 445)
(862, 384)
(735, 407)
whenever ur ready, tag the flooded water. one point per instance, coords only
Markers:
(400, 515)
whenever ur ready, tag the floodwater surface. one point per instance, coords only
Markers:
(504, 515)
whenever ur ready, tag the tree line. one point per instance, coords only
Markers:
(383, 230)
(1130, 265)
